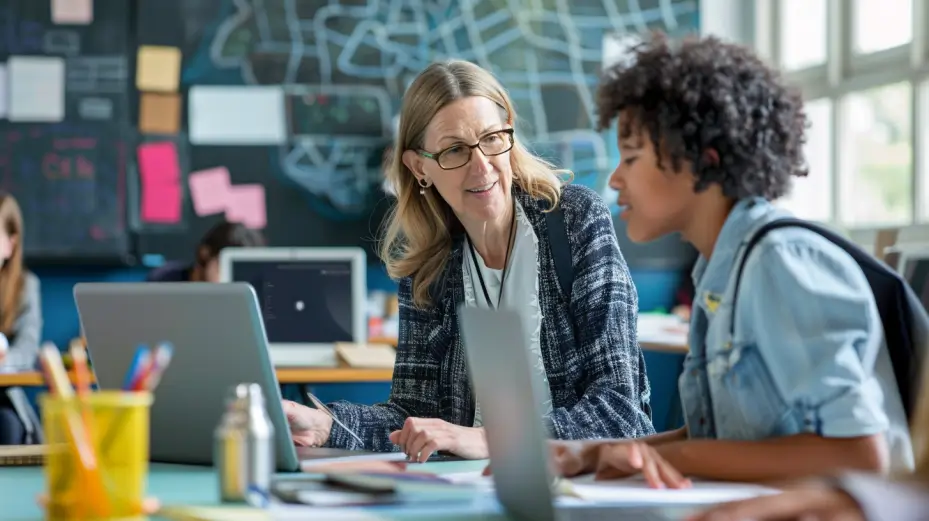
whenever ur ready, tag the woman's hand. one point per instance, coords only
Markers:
(420, 437)
(308, 427)
(820, 502)
(618, 459)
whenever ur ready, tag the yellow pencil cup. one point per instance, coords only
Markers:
(97, 462)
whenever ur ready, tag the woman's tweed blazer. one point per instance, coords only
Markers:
(594, 366)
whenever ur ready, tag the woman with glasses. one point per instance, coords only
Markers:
(469, 227)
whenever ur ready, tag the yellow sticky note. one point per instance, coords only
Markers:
(158, 69)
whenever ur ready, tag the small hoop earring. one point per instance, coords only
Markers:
(423, 184)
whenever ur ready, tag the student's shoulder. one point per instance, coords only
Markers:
(170, 272)
(30, 281)
(808, 255)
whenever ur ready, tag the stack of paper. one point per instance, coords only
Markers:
(635, 491)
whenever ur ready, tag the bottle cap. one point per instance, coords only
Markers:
(248, 393)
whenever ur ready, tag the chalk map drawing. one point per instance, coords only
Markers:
(345, 64)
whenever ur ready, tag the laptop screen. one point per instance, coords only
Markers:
(301, 301)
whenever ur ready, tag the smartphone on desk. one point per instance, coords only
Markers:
(331, 493)
(440, 456)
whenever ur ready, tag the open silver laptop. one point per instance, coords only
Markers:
(219, 341)
(509, 393)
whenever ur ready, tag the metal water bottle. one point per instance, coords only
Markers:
(244, 447)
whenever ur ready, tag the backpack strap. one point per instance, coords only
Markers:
(890, 294)
(755, 239)
(561, 250)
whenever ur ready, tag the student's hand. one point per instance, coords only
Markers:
(618, 459)
(568, 457)
(819, 502)
(420, 437)
(308, 427)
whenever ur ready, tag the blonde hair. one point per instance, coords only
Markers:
(418, 235)
(12, 279)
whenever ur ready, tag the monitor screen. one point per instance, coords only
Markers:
(301, 301)
(916, 273)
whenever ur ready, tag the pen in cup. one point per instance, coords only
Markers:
(60, 385)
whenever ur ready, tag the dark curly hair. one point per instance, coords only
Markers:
(706, 94)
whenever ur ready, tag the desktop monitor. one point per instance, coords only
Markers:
(310, 298)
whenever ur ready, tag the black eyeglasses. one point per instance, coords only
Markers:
(456, 156)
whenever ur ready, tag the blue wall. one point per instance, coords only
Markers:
(656, 290)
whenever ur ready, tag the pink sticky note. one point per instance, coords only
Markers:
(209, 190)
(246, 204)
(72, 12)
(161, 203)
(158, 164)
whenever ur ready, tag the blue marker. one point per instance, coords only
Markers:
(140, 359)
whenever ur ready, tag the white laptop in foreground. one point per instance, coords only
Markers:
(310, 299)
(508, 392)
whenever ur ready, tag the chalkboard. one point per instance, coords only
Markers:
(70, 177)
(344, 66)
(70, 182)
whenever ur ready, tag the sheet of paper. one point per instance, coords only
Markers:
(158, 164)
(209, 190)
(351, 462)
(246, 204)
(36, 88)
(161, 203)
(159, 113)
(72, 12)
(636, 491)
(158, 68)
(284, 512)
(4, 90)
(235, 115)
(662, 329)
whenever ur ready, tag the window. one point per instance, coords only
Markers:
(882, 24)
(923, 166)
(863, 66)
(811, 196)
(802, 33)
(879, 155)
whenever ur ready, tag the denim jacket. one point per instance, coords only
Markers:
(807, 354)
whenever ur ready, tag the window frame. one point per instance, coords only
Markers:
(846, 72)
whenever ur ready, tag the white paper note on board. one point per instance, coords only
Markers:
(72, 12)
(37, 88)
(236, 115)
(4, 90)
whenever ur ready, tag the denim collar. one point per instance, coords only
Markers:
(711, 276)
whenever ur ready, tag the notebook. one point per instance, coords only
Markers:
(22, 455)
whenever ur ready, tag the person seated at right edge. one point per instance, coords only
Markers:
(469, 228)
(206, 266)
(847, 496)
(709, 136)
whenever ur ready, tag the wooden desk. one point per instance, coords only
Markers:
(661, 347)
(325, 375)
(285, 375)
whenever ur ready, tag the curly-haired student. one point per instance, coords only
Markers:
(709, 136)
